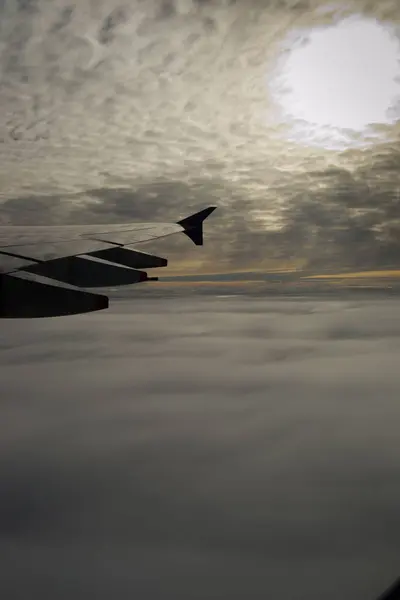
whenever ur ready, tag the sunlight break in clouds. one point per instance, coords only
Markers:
(341, 79)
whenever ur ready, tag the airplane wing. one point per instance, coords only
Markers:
(43, 268)
(393, 593)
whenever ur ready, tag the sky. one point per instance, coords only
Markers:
(202, 447)
(149, 110)
(201, 442)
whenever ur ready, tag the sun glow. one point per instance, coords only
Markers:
(338, 82)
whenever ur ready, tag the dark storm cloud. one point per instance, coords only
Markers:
(202, 448)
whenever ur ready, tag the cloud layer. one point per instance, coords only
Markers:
(117, 111)
(209, 447)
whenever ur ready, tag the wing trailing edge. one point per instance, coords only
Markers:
(86, 272)
(22, 297)
(130, 258)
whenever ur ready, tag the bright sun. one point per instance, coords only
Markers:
(342, 77)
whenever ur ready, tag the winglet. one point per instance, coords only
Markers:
(193, 225)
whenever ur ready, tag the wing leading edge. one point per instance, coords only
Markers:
(37, 259)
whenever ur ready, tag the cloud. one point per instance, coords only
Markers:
(200, 447)
(139, 110)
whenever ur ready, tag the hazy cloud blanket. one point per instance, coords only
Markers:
(202, 448)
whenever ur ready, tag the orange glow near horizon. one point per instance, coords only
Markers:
(394, 273)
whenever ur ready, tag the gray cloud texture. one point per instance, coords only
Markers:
(116, 111)
(202, 448)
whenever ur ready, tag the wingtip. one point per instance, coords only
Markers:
(211, 209)
(196, 218)
(193, 225)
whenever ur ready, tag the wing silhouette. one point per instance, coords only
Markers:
(42, 269)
